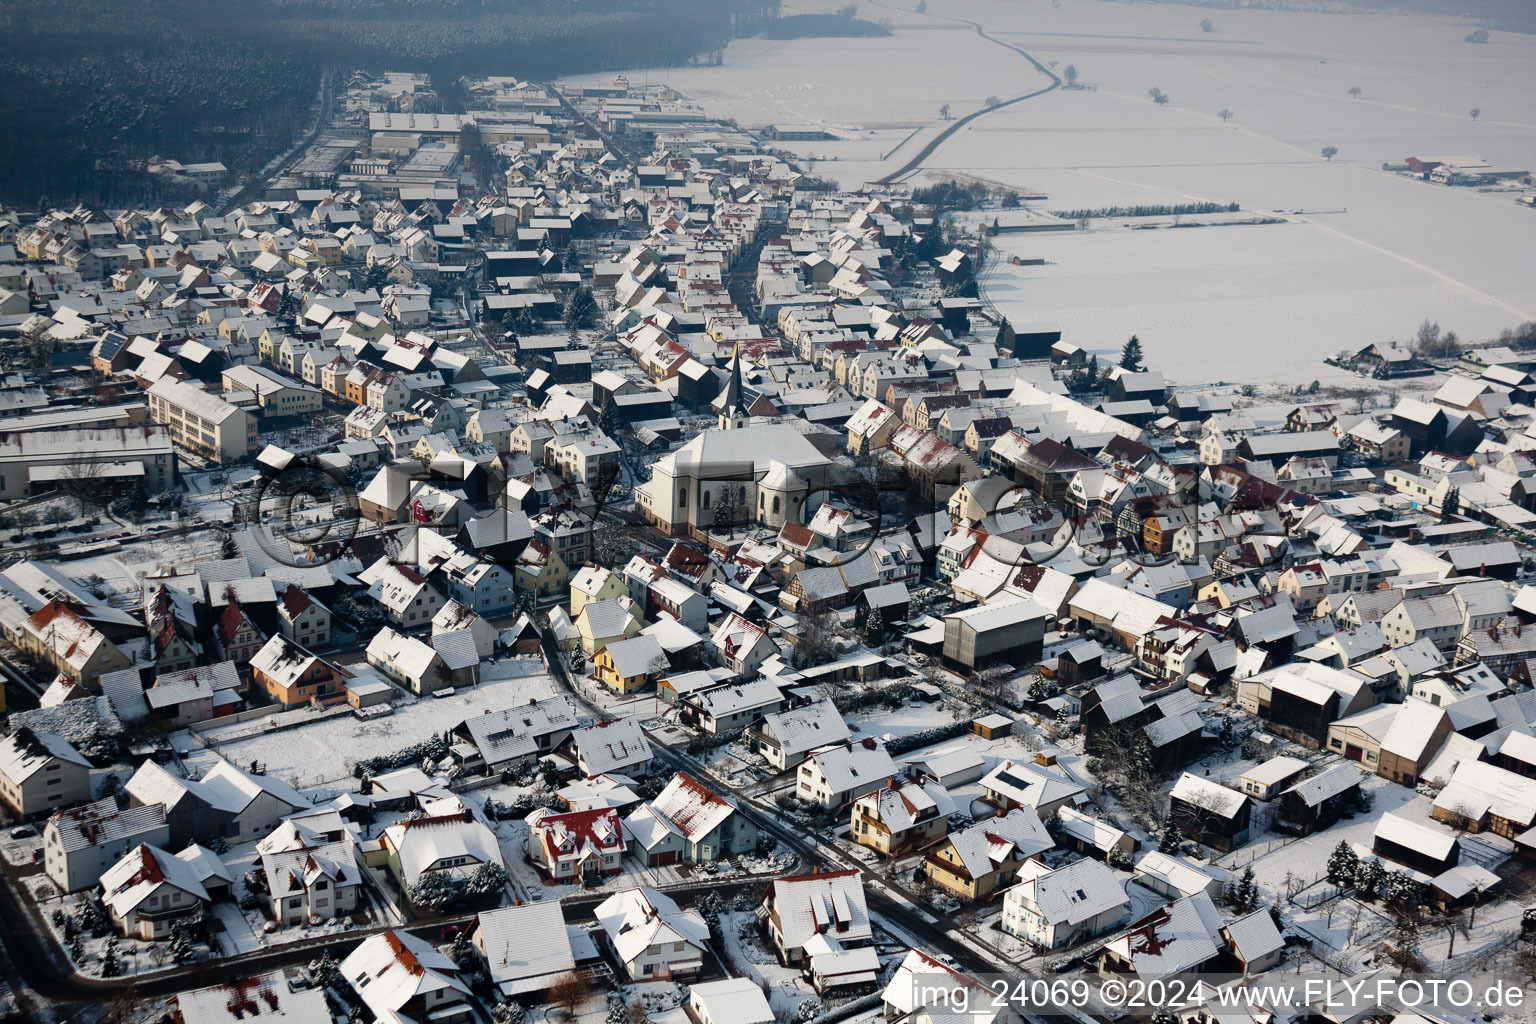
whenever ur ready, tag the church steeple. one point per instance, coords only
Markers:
(733, 404)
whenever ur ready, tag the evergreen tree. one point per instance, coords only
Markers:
(227, 546)
(508, 1013)
(1369, 878)
(1403, 890)
(579, 307)
(436, 890)
(725, 512)
(1130, 355)
(1039, 690)
(1451, 506)
(111, 962)
(1169, 839)
(1342, 865)
(1244, 894)
(1004, 335)
(608, 418)
(874, 628)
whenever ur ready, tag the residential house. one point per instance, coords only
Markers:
(81, 843)
(576, 846)
(798, 910)
(40, 773)
(455, 843)
(1209, 813)
(399, 977)
(976, 861)
(292, 676)
(148, 891)
(785, 738)
(1055, 907)
(651, 937)
(835, 776)
(907, 815)
(689, 823)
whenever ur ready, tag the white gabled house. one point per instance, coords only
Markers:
(652, 937)
(149, 890)
(799, 909)
(835, 777)
(742, 646)
(1063, 906)
(785, 738)
(81, 843)
(402, 978)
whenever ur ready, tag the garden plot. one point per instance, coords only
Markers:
(311, 755)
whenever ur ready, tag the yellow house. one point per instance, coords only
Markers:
(982, 858)
(594, 583)
(540, 570)
(605, 622)
(627, 666)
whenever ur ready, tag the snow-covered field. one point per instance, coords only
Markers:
(1369, 254)
(314, 754)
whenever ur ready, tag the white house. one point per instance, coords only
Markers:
(149, 890)
(319, 883)
(835, 777)
(798, 909)
(1063, 906)
(786, 738)
(455, 843)
(81, 843)
(729, 1001)
(527, 948)
(651, 936)
(41, 773)
(400, 977)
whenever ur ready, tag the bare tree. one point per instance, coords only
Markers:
(81, 480)
(1354, 92)
(1225, 115)
(1476, 113)
(1329, 152)
(568, 993)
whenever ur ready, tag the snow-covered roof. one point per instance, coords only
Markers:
(421, 842)
(1415, 835)
(527, 947)
(852, 765)
(507, 735)
(1072, 894)
(25, 752)
(1254, 936)
(1028, 785)
(140, 872)
(987, 845)
(636, 919)
(1326, 784)
(809, 905)
(611, 744)
(805, 728)
(101, 823)
(261, 999)
(1171, 939)
(1211, 796)
(392, 968)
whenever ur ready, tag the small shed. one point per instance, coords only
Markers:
(368, 691)
(992, 727)
(1264, 781)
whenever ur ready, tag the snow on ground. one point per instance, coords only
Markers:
(320, 753)
(746, 956)
(1368, 254)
